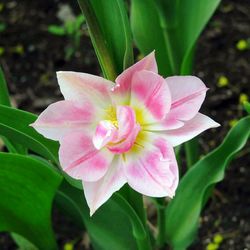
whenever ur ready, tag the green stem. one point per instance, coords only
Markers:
(161, 237)
(192, 152)
(98, 40)
(191, 147)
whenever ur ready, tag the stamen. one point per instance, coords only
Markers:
(124, 157)
(139, 145)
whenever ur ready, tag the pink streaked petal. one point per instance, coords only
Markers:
(190, 129)
(151, 90)
(153, 171)
(64, 117)
(188, 94)
(105, 132)
(80, 159)
(81, 87)
(123, 81)
(126, 144)
(99, 192)
(126, 120)
(166, 124)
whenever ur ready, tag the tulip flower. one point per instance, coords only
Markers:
(124, 132)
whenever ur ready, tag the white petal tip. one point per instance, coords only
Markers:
(91, 212)
(216, 125)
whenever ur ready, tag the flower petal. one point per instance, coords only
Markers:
(80, 159)
(190, 129)
(188, 94)
(150, 91)
(126, 120)
(105, 132)
(127, 131)
(153, 171)
(63, 117)
(166, 124)
(81, 87)
(126, 144)
(123, 81)
(99, 192)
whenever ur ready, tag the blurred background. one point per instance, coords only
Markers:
(36, 41)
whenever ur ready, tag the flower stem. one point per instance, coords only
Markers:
(98, 40)
(161, 207)
(192, 152)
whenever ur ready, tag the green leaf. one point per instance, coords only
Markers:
(22, 243)
(70, 27)
(20, 121)
(4, 93)
(193, 15)
(247, 107)
(110, 32)
(171, 28)
(27, 189)
(149, 34)
(80, 19)
(5, 100)
(109, 227)
(57, 30)
(113, 19)
(27, 141)
(183, 212)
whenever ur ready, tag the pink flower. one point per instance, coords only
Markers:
(112, 134)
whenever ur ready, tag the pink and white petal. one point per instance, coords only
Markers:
(80, 159)
(64, 117)
(166, 124)
(123, 81)
(97, 193)
(188, 94)
(105, 133)
(153, 171)
(126, 144)
(126, 120)
(190, 129)
(151, 91)
(81, 87)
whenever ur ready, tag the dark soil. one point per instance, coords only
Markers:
(32, 56)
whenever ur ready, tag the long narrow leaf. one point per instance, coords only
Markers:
(4, 94)
(5, 100)
(149, 34)
(20, 121)
(110, 32)
(113, 19)
(172, 29)
(27, 141)
(27, 189)
(183, 212)
(193, 16)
